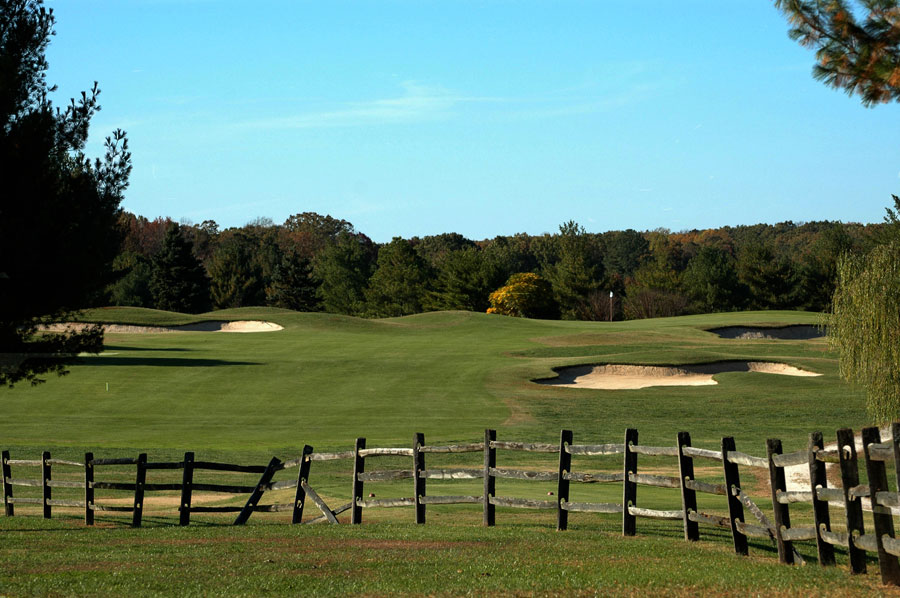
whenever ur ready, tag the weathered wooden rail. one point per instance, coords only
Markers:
(849, 497)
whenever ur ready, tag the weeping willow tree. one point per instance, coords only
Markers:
(864, 327)
(857, 45)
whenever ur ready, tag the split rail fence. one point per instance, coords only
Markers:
(848, 498)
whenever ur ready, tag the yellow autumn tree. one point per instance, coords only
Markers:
(525, 295)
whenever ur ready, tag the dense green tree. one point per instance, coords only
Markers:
(236, 277)
(857, 44)
(292, 285)
(712, 282)
(434, 249)
(511, 254)
(655, 291)
(342, 270)
(624, 251)
(179, 282)
(574, 277)
(398, 285)
(464, 280)
(133, 285)
(769, 278)
(817, 269)
(59, 212)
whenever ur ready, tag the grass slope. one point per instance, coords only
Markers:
(326, 379)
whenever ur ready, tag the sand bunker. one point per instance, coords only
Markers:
(239, 326)
(796, 333)
(630, 377)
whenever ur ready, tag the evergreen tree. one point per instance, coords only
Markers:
(464, 280)
(292, 284)
(397, 286)
(711, 280)
(133, 286)
(236, 277)
(769, 278)
(343, 269)
(59, 209)
(179, 282)
(624, 251)
(857, 44)
(817, 269)
(574, 277)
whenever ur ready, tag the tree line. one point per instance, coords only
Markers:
(313, 262)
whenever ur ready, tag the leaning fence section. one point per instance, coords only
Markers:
(101, 495)
(838, 511)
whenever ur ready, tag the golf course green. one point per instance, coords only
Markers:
(325, 379)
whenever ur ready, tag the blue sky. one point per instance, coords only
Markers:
(411, 118)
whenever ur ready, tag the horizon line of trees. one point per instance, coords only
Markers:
(320, 263)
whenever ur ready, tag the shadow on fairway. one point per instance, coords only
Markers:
(160, 362)
(123, 348)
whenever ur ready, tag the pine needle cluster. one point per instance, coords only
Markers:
(857, 44)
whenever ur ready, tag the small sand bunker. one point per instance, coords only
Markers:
(795, 333)
(630, 377)
(215, 326)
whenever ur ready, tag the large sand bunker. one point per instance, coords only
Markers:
(212, 326)
(795, 333)
(630, 377)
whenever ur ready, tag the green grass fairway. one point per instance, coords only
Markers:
(325, 380)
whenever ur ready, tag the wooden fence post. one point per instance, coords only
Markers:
(629, 493)
(46, 491)
(688, 495)
(187, 489)
(89, 488)
(778, 483)
(418, 480)
(490, 483)
(359, 466)
(562, 484)
(849, 479)
(732, 488)
(302, 478)
(7, 487)
(822, 518)
(139, 482)
(257, 493)
(895, 441)
(883, 522)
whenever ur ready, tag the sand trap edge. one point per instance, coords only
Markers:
(633, 377)
(241, 326)
(795, 332)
